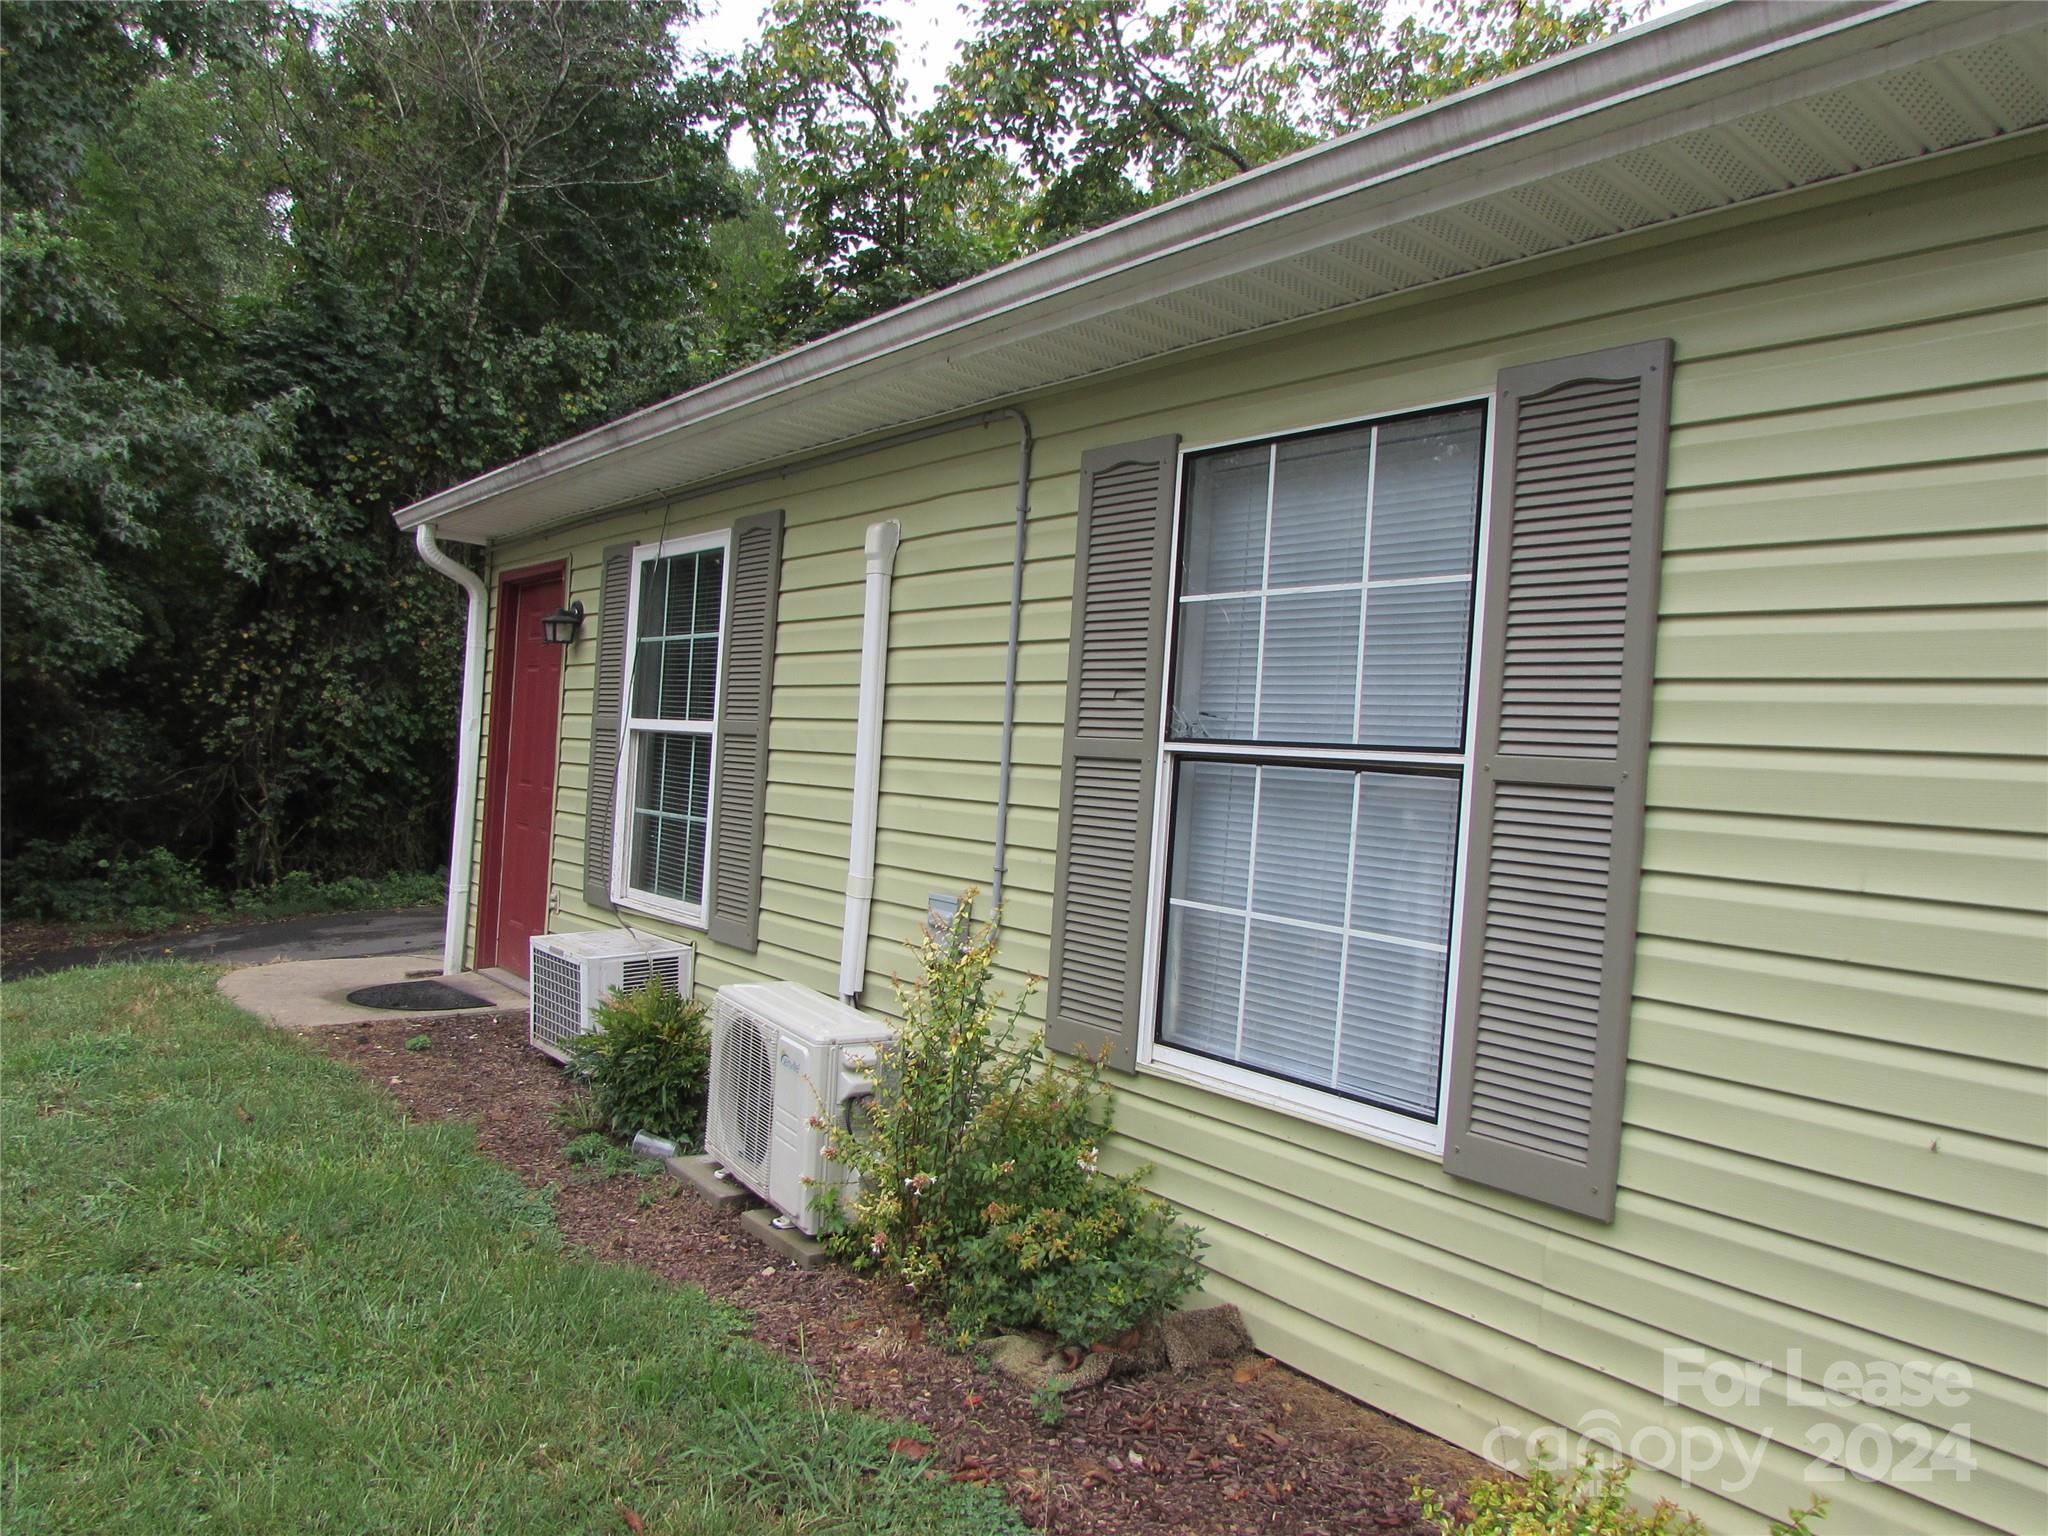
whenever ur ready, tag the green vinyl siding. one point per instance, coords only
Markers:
(1834, 1116)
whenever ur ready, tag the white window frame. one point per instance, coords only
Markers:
(634, 730)
(1159, 1059)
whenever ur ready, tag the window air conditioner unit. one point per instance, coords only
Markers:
(571, 973)
(782, 1056)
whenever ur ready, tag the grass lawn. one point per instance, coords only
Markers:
(240, 1294)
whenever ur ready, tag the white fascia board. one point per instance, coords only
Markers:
(1697, 62)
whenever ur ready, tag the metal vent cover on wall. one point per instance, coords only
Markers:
(640, 970)
(746, 1096)
(557, 1001)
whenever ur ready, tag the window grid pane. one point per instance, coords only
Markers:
(1412, 682)
(1320, 486)
(1225, 547)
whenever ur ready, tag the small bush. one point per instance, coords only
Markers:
(82, 882)
(294, 892)
(588, 1148)
(1051, 1406)
(420, 1043)
(976, 1175)
(76, 882)
(299, 893)
(1592, 1501)
(646, 1064)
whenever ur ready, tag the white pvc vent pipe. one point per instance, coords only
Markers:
(468, 744)
(867, 760)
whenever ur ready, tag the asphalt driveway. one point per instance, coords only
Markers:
(329, 936)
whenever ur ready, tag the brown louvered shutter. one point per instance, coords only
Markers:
(1117, 657)
(613, 602)
(1547, 951)
(739, 801)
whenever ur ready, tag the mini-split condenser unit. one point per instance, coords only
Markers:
(571, 973)
(787, 1064)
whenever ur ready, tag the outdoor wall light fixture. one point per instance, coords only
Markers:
(559, 627)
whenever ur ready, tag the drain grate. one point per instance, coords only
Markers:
(416, 997)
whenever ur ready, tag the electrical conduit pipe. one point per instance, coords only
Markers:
(867, 760)
(468, 739)
(1025, 443)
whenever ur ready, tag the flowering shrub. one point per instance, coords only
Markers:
(1591, 1501)
(646, 1064)
(976, 1168)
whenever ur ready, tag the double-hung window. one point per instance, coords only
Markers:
(675, 636)
(1314, 754)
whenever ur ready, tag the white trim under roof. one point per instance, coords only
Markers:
(1708, 108)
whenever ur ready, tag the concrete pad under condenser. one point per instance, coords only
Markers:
(313, 994)
(709, 1181)
(783, 1242)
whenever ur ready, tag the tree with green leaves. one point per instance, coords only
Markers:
(1058, 116)
(1113, 105)
(875, 209)
(70, 68)
(134, 488)
(271, 274)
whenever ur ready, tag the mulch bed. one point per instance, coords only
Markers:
(1234, 1449)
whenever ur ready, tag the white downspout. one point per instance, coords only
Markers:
(468, 744)
(867, 760)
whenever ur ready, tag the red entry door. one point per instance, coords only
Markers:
(519, 805)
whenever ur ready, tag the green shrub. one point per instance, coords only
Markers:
(81, 882)
(77, 882)
(976, 1171)
(1592, 1501)
(300, 893)
(646, 1064)
(295, 892)
(1051, 1405)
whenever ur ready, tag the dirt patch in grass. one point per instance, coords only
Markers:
(1240, 1448)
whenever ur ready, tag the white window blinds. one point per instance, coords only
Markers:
(1315, 753)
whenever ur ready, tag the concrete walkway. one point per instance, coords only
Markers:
(297, 972)
(329, 936)
(313, 994)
